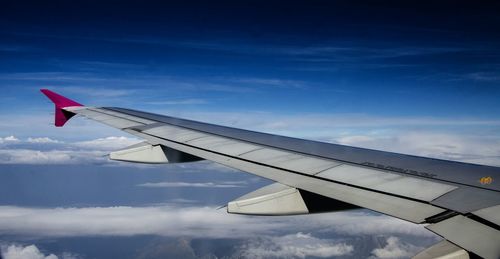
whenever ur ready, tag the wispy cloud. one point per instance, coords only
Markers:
(17, 48)
(99, 65)
(96, 91)
(340, 52)
(98, 85)
(483, 76)
(270, 82)
(192, 101)
(225, 184)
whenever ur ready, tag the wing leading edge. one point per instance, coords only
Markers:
(459, 201)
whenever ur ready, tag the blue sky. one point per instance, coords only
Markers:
(401, 60)
(417, 77)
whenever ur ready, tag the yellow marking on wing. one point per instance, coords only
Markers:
(486, 180)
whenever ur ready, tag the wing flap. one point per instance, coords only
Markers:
(468, 199)
(274, 199)
(141, 153)
(278, 199)
(491, 214)
(443, 250)
(387, 182)
(469, 234)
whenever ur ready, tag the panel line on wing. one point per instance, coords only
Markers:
(359, 176)
(287, 170)
(304, 181)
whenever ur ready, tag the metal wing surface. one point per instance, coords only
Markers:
(458, 201)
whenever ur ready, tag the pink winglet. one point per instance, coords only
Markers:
(60, 102)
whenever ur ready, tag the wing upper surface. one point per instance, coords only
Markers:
(421, 190)
(420, 166)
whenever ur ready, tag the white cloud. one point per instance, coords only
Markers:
(396, 249)
(42, 140)
(24, 252)
(292, 246)
(41, 122)
(30, 156)
(45, 150)
(107, 143)
(127, 221)
(225, 184)
(191, 101)
(207, 222)
(100, 92)
(354, 139)
(9, 139)
(472, 149)
(273, 82)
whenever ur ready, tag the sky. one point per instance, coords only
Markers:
(416, 77)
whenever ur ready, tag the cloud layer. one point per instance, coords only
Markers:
(335, 234)
(190, 221)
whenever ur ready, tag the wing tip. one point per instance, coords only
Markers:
(60, 102)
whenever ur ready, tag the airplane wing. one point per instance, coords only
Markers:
(458, 201)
